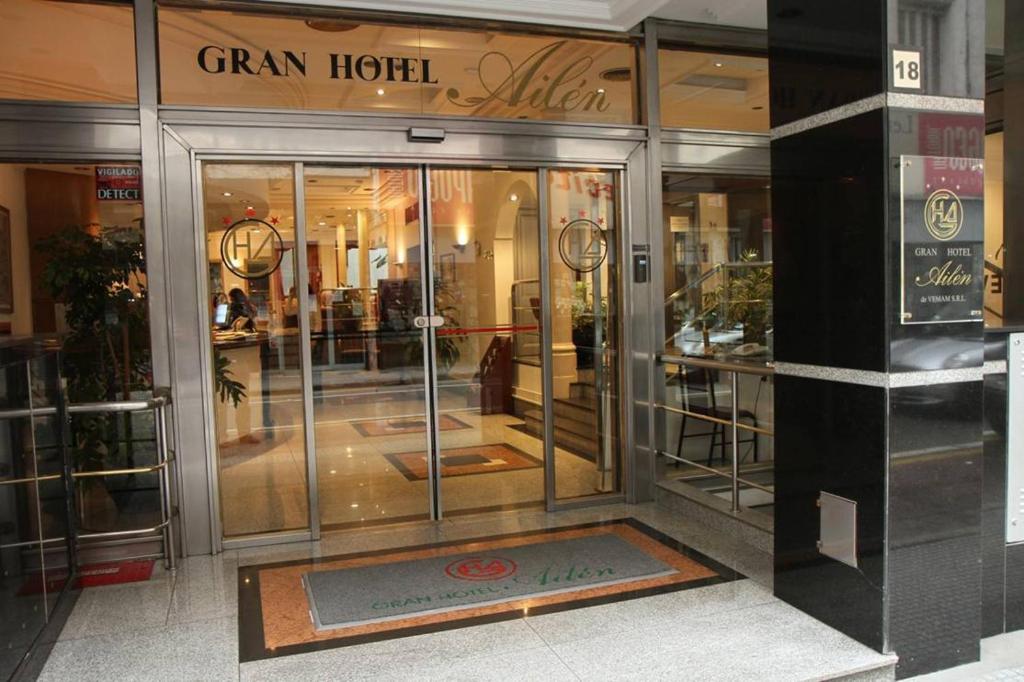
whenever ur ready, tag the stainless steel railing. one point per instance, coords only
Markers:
(734, 370)
(159, 404)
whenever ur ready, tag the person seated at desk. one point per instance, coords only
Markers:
(237, 314)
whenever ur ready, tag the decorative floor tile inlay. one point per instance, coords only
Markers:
(296, 606)
(479, 459)
(401, 426)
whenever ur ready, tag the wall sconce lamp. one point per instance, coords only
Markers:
(461, 238)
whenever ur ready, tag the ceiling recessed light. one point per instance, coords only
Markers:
(321, 223)
(227, 194)
(380, 91)
(718, 64)
(600, 91)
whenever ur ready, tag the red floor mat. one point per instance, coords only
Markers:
(93, 575)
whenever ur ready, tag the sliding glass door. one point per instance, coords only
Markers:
(377, 348)
(364, 298)
(485, 293)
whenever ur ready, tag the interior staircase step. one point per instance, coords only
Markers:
(578, 438)
(577, 409)
(582, 389)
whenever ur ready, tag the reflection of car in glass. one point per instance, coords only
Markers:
(934, 354)
(690, 340)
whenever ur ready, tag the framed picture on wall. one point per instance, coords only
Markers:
(6, 277)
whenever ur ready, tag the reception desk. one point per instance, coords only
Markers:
(245, 355)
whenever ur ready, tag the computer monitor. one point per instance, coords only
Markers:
(220, 315)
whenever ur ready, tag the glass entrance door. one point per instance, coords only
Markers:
(378, 345)
(485, 255)
(365, 295)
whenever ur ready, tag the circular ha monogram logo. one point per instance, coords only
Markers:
(251, 248)
(481, 568)
(582, 245)
(943, 215)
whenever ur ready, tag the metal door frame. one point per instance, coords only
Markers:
(201, 141)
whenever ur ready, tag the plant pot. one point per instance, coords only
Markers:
(583, 338)
(96, 508)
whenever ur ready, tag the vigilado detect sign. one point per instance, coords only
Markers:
(118, 183)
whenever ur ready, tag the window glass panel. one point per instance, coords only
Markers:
(72, 250)
(220, 58)
(718, 303)
(713, 91)
(718, 254)
(67, 51)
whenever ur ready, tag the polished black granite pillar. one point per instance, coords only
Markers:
(868, 408)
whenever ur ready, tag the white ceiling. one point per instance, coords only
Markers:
(745, 13)
(608, 15)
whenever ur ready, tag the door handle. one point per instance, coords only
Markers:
(428, 321)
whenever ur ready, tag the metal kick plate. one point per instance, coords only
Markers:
(838, 535)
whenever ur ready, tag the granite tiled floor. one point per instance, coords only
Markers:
(183, 626)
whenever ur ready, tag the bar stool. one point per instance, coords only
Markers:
(700, 382)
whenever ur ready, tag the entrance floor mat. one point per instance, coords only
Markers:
(369, 428)
(479, 459)
(92, 575)
(296, 606)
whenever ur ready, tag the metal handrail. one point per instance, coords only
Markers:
(734, 369)
(716, 420)
(711, 272)
(716, 472)
(30, 479)
(121, 472)
(88, 408)
(159, 403)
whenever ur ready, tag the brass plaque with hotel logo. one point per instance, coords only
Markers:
(942, 239)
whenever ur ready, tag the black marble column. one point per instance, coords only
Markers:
(883, 413)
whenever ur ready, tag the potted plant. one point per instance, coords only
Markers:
(584, 324)
(447, 304)
(750, 297)
(98, 277)
(742, 298)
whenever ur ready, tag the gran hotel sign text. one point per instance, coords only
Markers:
(542, 80)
